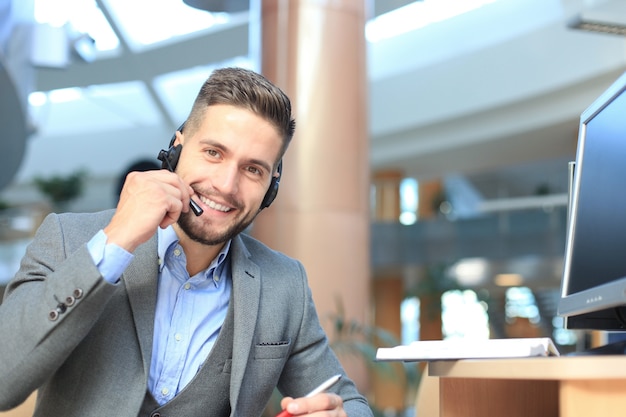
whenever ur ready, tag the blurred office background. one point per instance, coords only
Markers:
(473, 114)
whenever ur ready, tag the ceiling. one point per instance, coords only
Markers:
(492, 95)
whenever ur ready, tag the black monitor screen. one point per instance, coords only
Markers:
(599, 242)
(594, 275)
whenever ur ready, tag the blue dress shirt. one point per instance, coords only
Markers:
(189, 310)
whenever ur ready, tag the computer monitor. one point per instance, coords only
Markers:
(593, 286)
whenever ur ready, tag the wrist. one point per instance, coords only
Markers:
(110, 259)
(121, 238)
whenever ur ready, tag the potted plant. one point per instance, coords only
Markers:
(60, 190)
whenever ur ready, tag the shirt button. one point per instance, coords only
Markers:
(178, 337)
(187, 286)
(177, 252)
(165, 391)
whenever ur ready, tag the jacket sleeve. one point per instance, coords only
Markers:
(313, 361)
(48, 308)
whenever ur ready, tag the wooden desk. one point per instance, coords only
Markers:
(539, 387)
(26, 409)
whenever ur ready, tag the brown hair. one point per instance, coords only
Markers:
(244, 88)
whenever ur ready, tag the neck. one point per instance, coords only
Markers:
(199, 256)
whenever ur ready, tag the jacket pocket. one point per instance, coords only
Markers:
(272, 350)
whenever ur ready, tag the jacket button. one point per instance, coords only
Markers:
(53, 315)
(78, 293)
(157, 414)
(69, 301)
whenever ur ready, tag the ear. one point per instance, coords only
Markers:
(178, 138)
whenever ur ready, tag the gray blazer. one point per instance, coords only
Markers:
(86, 344)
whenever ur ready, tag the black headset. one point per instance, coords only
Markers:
(169, 160)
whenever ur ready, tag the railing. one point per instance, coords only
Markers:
(496, 236)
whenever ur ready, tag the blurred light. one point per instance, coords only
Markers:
(37, 99)
(470, 272)
(561, 335)
(520, 302)
(464, 316)
(410, 319)
(445, 207)
(79, 17)
(417, 15)
(64, 95)
(408, 200)
(50, 46)
(508, 280)
(407, 218)
(85, 48)
(54, 13)
(167, 19)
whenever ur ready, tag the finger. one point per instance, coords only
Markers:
(167, 189)
(285, 401)
(329, 401)
(173, 213)
(148, 200)
(319, 402)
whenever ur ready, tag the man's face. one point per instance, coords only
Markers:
(228, 162)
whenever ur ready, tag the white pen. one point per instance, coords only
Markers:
(324, 385)
(321, 388)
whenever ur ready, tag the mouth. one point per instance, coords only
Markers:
(213, 205)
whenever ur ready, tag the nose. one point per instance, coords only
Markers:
(226, 179)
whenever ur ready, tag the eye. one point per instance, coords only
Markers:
(254, 170)
(213, 153)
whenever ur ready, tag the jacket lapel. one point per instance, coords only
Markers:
(140, 279)
(246, 293)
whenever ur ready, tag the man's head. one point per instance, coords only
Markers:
(233, 141)
(246, 89)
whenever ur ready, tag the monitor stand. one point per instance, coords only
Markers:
(615, 348)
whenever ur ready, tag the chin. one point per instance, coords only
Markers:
(200, 231)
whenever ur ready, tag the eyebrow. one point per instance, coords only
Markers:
(253, 161)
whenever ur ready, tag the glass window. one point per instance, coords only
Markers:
(79, 17)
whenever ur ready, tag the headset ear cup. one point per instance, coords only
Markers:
(271, 193)
(172, 155)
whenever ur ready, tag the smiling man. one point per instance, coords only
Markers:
(153, 309)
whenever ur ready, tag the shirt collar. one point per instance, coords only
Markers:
(168, 237)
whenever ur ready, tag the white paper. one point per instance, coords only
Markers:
(432, 350)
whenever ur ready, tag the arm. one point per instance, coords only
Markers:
(44, 328)
(312, 358)
(50, 272)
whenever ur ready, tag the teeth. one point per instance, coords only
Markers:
(214, 205)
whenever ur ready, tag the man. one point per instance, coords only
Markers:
(154, 309)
